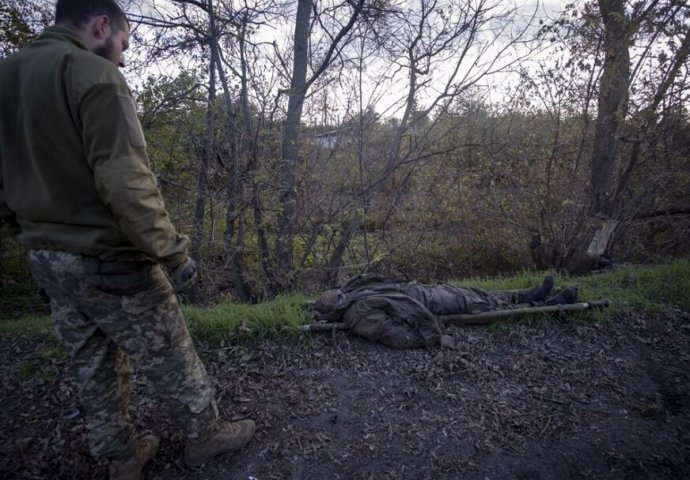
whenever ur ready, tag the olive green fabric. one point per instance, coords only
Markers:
(73, 165)
(396, 320)
(404, 314)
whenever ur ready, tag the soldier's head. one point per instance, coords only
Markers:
(101, 24)
(329, 306)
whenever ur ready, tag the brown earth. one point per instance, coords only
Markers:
(564, 400)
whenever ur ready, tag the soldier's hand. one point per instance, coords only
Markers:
(184, 275)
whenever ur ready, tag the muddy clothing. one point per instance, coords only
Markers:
(403, 314)
(74, 173)
(105, 313)
(396, 320)
(439, 299)
(75, 177)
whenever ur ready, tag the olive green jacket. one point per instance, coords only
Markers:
(74, 174)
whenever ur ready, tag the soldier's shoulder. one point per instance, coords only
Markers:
(93, 69)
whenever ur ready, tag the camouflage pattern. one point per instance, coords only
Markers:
(441, 299)
(449, 299)
(438, 299)
(106, 313)
(404, 314)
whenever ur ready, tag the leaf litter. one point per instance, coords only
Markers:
(571, 399)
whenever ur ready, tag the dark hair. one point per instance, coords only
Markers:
(78, 12)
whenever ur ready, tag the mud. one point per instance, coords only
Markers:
(562, 400)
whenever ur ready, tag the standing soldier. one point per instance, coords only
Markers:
(76, 188)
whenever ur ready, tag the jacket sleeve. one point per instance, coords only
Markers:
(116, 152)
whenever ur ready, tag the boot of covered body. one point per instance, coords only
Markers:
(131, 466)
(533, 295)
(224, 438)
(566, 296)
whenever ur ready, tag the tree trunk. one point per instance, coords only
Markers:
(612, 105)
(204, 152)
(336, 260)
(290, 145)
(232, 244)
(600, 228)
(649, 116)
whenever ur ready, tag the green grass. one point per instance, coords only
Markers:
(647, 287)
(52, 352)
(38, 326)
(641, 287)
(644, 287)
(514, 282)
(229, 323)
(29, 371)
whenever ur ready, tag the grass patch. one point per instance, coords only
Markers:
(52, 352)
(231, 323)
(28, 371)
(648, 287)
(514, 282)
(35, 326)
(641, 287)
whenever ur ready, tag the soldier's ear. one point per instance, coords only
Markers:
(99, 26)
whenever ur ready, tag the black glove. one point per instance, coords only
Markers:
(10, 219)
(184, 275)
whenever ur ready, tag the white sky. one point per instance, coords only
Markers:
(391, 93)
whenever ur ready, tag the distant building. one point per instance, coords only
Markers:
(331, 139)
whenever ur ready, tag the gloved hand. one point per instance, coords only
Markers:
(184, 275)
(9, 219)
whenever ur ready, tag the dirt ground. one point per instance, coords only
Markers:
(563, 400)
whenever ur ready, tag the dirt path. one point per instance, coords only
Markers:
(530, 401)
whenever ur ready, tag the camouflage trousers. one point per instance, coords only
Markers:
(106, 313)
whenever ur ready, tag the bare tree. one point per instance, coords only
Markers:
(629, 56)
(214, 31)
(299, 85)
(439, 51)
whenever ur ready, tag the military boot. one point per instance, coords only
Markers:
(226, 437)
(536, 294)
(565, 297)
(130, 467)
